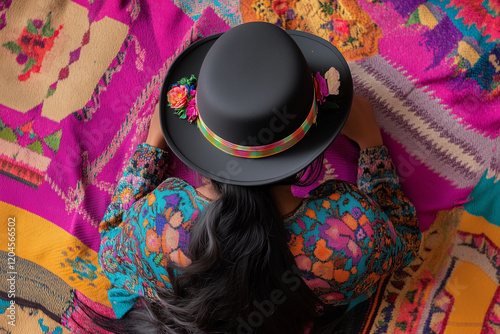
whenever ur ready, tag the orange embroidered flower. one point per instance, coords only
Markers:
(323, 269)
(341, 275)
(349, 220)
(176, 219)
(170, 240)
(178, 257)
(153, 242)
(311, 214)
(321, 252)
(296, 244)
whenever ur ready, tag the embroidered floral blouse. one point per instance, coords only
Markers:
(344, 238)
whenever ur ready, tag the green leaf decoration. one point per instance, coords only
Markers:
(47, 30)
(31, 27)
(53, 141)
(14, 47)
(8, 135)
(36, 146)
(158, 258)
(50, 92)
(413, 19)
(188, 81)
(181, 113)
(28, 65)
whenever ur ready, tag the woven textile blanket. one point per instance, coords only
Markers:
(78, 83)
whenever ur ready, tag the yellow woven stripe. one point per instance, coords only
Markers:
(44, 243)
(479, 225)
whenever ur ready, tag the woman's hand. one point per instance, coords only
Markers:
(155, 135)
(361, 125)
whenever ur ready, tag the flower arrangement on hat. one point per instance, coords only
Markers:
(182, 98)
(182, 95)
(327, 85)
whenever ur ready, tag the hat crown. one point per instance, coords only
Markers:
(254, 86)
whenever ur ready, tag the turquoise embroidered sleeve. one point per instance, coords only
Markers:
(147, 168)
(377, 177)
(342, 239)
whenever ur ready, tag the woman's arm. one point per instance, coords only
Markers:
(120, 230)
(378, 179)
(147, 168)
(377, 175)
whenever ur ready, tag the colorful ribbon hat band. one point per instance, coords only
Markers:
(263, 150)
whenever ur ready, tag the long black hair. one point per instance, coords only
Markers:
(242, 277)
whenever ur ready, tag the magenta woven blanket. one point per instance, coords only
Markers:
(79, 80)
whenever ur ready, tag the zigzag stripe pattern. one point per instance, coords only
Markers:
(405, 109)
(492, 320)
(480, 250)
(94, 103)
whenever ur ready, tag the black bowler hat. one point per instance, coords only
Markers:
(256, 109)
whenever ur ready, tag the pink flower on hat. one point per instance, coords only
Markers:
(177, 97)
(192, 107)
(320, 84)
(332, 76)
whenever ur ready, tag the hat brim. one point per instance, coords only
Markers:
(191, 147)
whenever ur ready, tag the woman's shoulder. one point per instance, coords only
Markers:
(334, 190)
(174, 198)
(175, 184)
(179, 187)
(333, 197)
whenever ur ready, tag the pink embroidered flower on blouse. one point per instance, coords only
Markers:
(332, 77)
(336, 233)
(177, 97)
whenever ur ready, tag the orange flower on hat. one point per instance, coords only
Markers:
(177, 97)
(182, 98)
